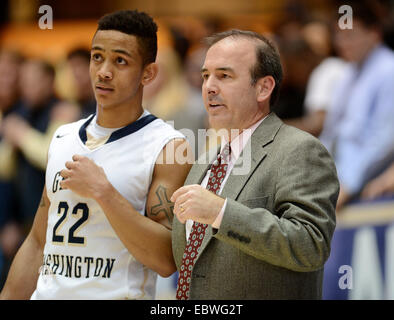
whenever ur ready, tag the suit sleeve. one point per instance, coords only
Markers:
(296, 235)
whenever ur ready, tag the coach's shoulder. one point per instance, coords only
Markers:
(296, 137)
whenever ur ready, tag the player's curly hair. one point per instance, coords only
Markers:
(138, 24)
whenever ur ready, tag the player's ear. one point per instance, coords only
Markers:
(149, 73)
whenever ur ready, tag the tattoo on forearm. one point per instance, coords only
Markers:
(42, 202)
(165, 205)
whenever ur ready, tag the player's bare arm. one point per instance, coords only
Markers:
(147, 239)
(169, 175)
(163, 210)
(24, 271)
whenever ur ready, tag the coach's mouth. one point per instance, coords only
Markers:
(216, 105)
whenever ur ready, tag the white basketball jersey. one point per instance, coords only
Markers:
(83, 257)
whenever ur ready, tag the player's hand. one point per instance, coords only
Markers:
(84, 177)
(196, 203)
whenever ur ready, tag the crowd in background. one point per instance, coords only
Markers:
(338, 86)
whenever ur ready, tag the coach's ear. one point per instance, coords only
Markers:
(264, 86)
(149, 73)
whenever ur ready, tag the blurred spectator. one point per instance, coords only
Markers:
(322, 79)
(26, 131)
(79, 60)
(359, 130)
(9, 94)
(180, 42)
(298, 61)
(9, 232)
(167, 94)
(385, 12)
(29, 130)
(381, 185)
(9, 67)
(193, 115)
(389, 32)
(317, 34)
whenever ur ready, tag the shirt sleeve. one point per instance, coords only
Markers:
(321, 83)
(219, 218)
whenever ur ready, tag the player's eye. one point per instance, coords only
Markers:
(96, 57)
(120, 60)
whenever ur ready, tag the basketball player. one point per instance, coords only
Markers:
(102, 230)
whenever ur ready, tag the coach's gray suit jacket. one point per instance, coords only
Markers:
(276, 230)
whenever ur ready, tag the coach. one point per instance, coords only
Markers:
(264, 233)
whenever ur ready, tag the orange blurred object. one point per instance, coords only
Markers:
(49, 44)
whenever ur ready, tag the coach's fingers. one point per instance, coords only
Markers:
(183, 197)
(176, 194)
(181, 217)
(182, 210)
(179, 192)
(179, 207)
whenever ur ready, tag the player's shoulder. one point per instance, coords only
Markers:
(163, 127)
(68, 128)
(161, 123)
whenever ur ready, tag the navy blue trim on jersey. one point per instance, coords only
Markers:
(82, 130)
(122, 132)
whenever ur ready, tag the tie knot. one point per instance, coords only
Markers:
(226, 150)
(224, 156)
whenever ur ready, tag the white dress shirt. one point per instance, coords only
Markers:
(237, 145)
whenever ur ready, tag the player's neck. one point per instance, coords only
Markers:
(118, 116)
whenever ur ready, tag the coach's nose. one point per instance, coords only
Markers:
(210, 86)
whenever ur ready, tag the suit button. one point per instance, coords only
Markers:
(244, 239)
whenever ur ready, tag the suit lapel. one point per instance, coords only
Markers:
(252, 155)
(246, 164)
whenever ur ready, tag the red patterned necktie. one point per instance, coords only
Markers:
(216, 176)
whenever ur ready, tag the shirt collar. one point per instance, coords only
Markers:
(239, 142)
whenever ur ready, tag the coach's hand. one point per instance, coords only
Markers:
(84, 177)
(196, 203)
